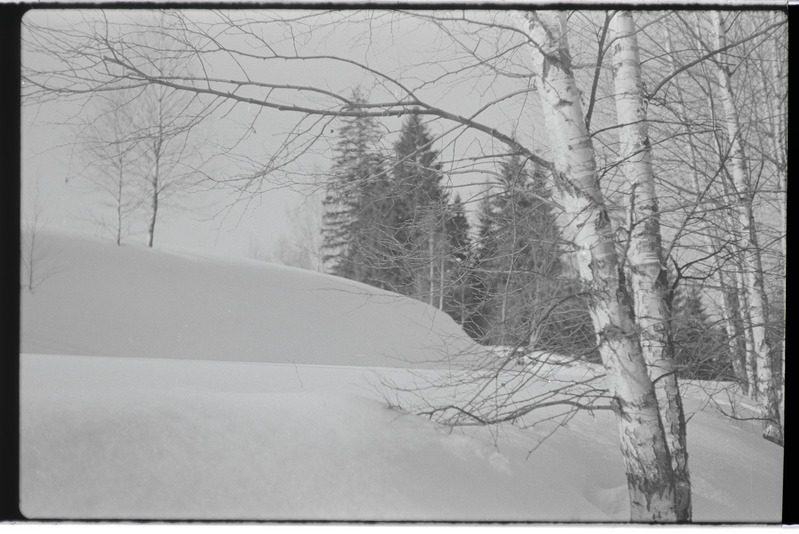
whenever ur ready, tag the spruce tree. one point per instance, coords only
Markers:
(459, 277)
(416, 213)
(699, 345)
(349, 204)
(526, 300)
(514, 257)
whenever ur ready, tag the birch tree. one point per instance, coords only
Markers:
(33, 257)
(779, 124)
(650, 477)
(158, 123)
(728, 241)
(768, 397)
(164, 127)
(770, 61)
(710, 244)
(645, 254)
(109, 147)
(489, 54)
(585, 220)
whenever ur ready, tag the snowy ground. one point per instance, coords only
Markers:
(157, 385)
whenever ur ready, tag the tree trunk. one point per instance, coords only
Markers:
(462, 282)
(119, 160)
(737, 279)
(431, 259)
(645, 255)
(32, 250)
(730, 310)
(119, 208)
(441, 278)
(153, 207)
(780, 133)
(768, 398)
(732, 224)
(750, 361)
(586, 224)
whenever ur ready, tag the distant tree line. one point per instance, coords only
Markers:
(390, 222)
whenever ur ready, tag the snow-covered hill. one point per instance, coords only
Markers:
(102, 300)
(157, 385)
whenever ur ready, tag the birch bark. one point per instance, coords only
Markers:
(730, 310)
(737, 279)
(780, 128)
(768, 397)
(648, 272)
(780, 136)
(586, 225)
(155, 179)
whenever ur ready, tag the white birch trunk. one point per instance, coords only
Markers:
(120, 162)
(750, 362)
(738, 284)
(729, 309)
(432, 274)
(768, 397)
(735, 341)
(738, 280)
(441, 274)
(780, 133)
(158, 152)
(587, 225)
(118, 232)
(648, 273)
(155, 185)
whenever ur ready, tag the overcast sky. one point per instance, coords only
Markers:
(199, 222)
(51, 164)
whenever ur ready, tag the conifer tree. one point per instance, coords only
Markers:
(458, 274)
(699, 346)
(417, 213)
(526, 300)
(349, 209)
(483, 247)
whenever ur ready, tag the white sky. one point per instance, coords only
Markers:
(404, 47)
(48, 157)
(50, 163)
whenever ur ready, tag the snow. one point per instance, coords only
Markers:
(169, 386)
(104, 300)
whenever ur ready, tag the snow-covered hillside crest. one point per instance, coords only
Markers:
(127, 301)
(164, 385)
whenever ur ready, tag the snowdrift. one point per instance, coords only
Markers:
(99, 299)
(168, 386)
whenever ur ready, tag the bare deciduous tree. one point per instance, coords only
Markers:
(33, 256)
(753, 268)
(108, 146)
(517, 67)
(649, 472)
(645, 253)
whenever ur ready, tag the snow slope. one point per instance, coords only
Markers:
(101, 299)
(112, 426)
